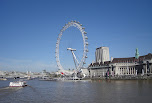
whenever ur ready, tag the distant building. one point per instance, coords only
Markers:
(2, 73)
(132, 66)
(45, 74)
(102, 54)
(85, 72)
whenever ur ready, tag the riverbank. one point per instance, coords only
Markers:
(124, 78)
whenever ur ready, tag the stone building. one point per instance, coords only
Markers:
(102, 54)
(132, 66)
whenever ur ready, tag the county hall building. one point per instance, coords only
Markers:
(131, 66)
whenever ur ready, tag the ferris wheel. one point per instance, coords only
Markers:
(78, 64)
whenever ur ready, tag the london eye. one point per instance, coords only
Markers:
(78, 64)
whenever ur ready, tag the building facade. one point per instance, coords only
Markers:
(102, 54)
(132, 66)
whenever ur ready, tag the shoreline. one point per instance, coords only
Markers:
(123, 78)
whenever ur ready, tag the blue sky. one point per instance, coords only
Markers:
(29, 30)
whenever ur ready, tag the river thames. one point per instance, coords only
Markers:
(100, 91)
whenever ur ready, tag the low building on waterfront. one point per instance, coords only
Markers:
(85, 72)
(2, 73)
(132, 65)
(117, 67)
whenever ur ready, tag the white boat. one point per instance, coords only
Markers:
(18, 84)
(3, 79)
(29, 78)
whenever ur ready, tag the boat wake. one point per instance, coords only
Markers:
(8, 90)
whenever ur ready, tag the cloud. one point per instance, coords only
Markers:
(7, 64)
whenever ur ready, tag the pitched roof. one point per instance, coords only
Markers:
(101, 64)
(132, 59)
(124, 60)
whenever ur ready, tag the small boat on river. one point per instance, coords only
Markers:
(3, 79)
(18, 84)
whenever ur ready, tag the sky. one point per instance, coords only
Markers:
(29, 31)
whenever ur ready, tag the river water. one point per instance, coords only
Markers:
(115, 91)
